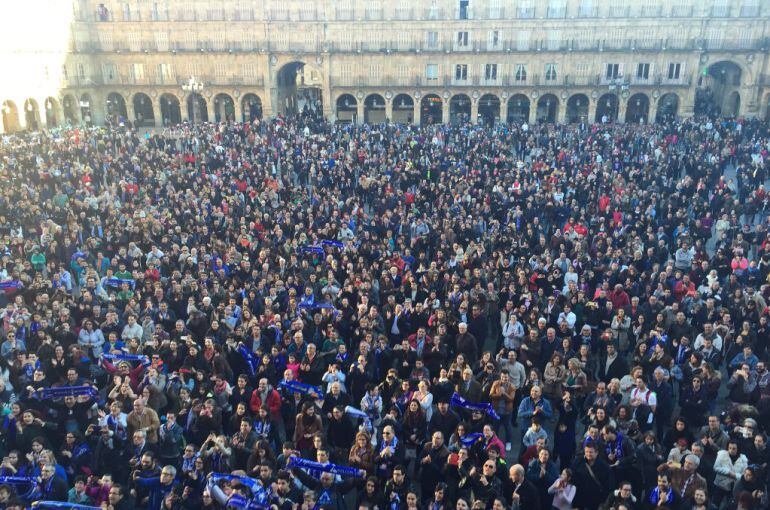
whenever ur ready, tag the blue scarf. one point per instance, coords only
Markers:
(618, 446)
(61, 504)
(484, 407)
(300, 387)
(311, 249)
(335, 469)
(469, 439)
(262, 428)
(11, 285)
(655, 495)
(118, 282)
(333, 244)
(144, 360)
(66, 391)
(251, 360)
(393, 443)
(117, 427)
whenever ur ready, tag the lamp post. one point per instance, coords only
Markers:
(193, 87)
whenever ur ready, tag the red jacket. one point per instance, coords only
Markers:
(273, 402)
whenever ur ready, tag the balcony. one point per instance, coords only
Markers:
(749, 11)
(650, 11)
(433, 14)
(345, 14)
(307, 15)
(618, 11)
(373, 14)
(83, 81)
(587, 12)
(720, 11)
(556, 12)
(403, 14)
(525, 12)
(681, 11)
(684, 80)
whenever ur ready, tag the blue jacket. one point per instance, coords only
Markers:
(527, 409)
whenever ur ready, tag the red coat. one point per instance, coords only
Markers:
(273, 402)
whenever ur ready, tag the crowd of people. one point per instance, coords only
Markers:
(294, 314)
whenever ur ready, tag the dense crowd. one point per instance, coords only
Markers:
(294, 314)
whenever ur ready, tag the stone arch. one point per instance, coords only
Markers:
(144, 113)
(374, 109)
(32, 114)
(432, 109)
(86, 108)
(347, 108)
(116, 108)
(732, 105)
(170, 110)
(489, 109)
(577, 108)
(10, 114)
(403, 109)
(224, 108)
(638, 109)
(518, 109)
(52, 112)
(459, 109)
(251, 107)
(607, 108)
(547, 109)
(70, 109)
(298, 88)
(668, 107)
(197, 108)
(714, 95)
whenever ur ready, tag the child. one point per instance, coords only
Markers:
(77, 494)
(534, 432)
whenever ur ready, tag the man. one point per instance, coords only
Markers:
(145, 419)
(542, 472)
(444, 421)
(51, 487)
(620, 454)
(523, 493)
(534, 405)
(613, 366)
(469, 388)
(159, 487)
(713, 433)
(694, 402)
(662, 495)
(117, 499)
(389, 453)
(592, 478)
(684, 477)
(432, 460)
(171, 441)
(466, 344)
(397, 487)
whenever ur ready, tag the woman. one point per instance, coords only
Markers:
(513, 333)
(361, 454)
(455, 443)
(576, 381)
(425, 398)
(457, 472)
(307, 424)
(679, 431)
(699, 501)
(415, 427)
(621, 324)
(554, 376)
(650, 455)
(371, 496)
(265, 428)
(563, 491)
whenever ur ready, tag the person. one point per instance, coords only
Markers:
(729, 467)
(684, 477)
(562, 491)
(662, 495)
(534, 406)
(159, 487)
(593, 478)
(543, 473)
(524, 494)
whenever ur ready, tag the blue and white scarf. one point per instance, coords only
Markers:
(141, 358)
(484, 407)
(117, 283)
(66, 391)
(617, 447)
(655, 495)
(300, 387)
(335, 469)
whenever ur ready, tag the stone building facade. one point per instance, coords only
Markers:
(158, 62)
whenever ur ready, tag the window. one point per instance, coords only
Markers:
(554, 40)
(137, 70)
(586, 9)
(431, 39)
(643, 71)
(525, 9)
(166, 73)
(494, 38)
(462, 39)
(402, 73)
(521, 72)
(650, 9)
(495, 9)
(557, 8)
(750, 8)
(249, 71)
(161, 41)
(81, 71)
(490, 72)
(64, 72)
(105, 41)
(375, 70)
(463, 11)
(134, 41)
(109, 72)
(612, 71)
(674, 70)
(584, 39)
(550, 72)
(619, 8)
(403, 40)
(582, 69)
(682, 8)
(461, 72)
(721, 8)
(714, 38)
(431, 72)
(745, 39)
(522, 41)
(126, 12)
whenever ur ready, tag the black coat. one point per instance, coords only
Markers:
(592, 489)
(617, 369)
